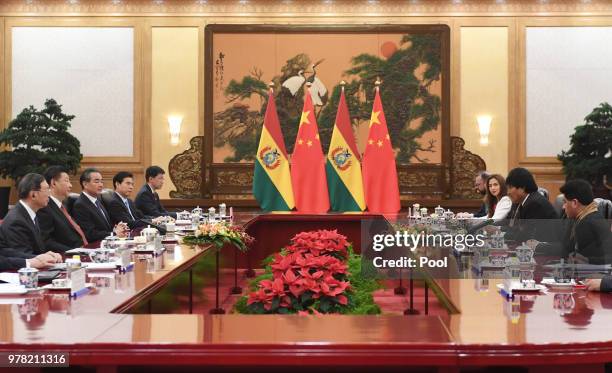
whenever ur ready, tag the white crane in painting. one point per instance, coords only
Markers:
(317, 88)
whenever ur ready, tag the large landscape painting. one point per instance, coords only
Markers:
(411, 61)
(408, 64)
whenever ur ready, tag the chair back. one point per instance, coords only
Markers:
(605, 207)
(544, 192)
(69, 202)
(107, 196)
(558, 204)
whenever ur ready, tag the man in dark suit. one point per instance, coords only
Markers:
(9, 263)
(147, 199)
(59, 230)
(120, 207)
(20, 229)
(89, 212)
(532, 215)
(588, 235)
(20, 235)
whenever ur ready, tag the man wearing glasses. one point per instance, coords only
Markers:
(20, 232)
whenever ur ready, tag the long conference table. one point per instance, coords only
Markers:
(482, 328)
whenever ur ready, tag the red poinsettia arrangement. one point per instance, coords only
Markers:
(321, 242)
(310, 275)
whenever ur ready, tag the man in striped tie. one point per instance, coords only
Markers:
(120, 207)
(59, 230)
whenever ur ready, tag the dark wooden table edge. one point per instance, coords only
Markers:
(265, 354)
(239, 354)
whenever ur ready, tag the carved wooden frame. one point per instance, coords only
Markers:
(186, 173)
(232, 180)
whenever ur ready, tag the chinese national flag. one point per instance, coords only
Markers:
(379, 172)
(308, 165)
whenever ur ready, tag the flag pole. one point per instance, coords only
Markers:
(314, 107)
(400, 289)
(249, 272)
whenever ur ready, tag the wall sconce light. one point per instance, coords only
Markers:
(174, 125)
(484, 128)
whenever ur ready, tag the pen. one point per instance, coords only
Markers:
(80, 292)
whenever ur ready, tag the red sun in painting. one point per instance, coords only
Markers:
(388, 48)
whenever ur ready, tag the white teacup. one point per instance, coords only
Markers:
(524, 253)
(529, 284)
(170, 227)
(100, 256)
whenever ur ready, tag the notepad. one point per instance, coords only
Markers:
(10, 277)
(80, 250)
(11, 289)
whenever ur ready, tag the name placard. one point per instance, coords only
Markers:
(125, 258)
(77, 280)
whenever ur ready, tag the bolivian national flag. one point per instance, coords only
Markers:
(272, 179)
(343, 166)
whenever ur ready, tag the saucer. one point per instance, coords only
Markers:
(91, 266)
(146, 251)
(12, 289)
(63, 288)
(551, 283)
(537, 288)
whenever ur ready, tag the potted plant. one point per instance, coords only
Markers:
(590, 154)
(35, 140)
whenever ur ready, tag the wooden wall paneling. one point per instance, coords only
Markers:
(178, 22)
(138, 155)
(141, 125)
(146, 92)
(547, 170)
(446, 8)
(3, 122)
(511, 25)
(523, 23)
